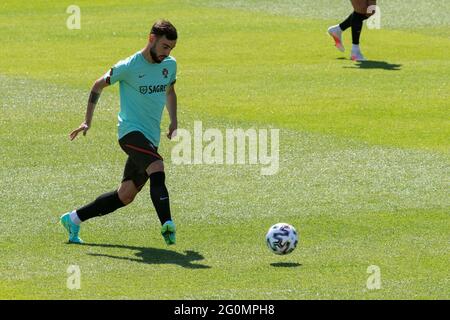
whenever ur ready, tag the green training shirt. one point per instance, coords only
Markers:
(142, 93)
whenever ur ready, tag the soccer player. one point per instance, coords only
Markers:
(362, 10)
(146, 82)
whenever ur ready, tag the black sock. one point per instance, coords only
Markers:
(160, 196)
(347, 23)
(104, 204)
(357, 23)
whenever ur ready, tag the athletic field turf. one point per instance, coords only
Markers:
(364, 152)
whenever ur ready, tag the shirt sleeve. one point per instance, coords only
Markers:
(173, 78)
(118, 72)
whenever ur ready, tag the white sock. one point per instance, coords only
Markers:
(74, 217)
(355, 48)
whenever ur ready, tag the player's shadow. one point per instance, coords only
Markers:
(154, 256)
(286, 264)
(372, 64)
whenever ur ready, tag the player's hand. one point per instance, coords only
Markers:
(83, 127)
(172, 130)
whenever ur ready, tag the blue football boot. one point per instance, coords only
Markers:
(71, 228)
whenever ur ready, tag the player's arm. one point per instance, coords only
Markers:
(96, 91)
(171, 105)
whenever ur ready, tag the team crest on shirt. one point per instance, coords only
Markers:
(165, 72)
(143, 89)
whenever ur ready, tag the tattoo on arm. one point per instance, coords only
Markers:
(93, 98)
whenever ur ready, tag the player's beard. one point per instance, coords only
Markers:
(154, 55)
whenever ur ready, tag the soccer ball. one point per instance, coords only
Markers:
(282, 238)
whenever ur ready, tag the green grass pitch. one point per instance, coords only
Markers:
(364, 152)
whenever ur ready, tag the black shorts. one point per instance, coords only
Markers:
(141, 153)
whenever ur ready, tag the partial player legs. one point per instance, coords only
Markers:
(357, 24)
(362, 10)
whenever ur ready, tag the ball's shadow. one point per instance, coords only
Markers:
(286, 264)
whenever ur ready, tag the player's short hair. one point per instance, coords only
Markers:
(164, 28)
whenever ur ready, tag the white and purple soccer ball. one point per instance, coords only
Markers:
(282, 238)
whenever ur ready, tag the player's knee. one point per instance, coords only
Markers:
(126, 197)
(370, 12)
(157, 166)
